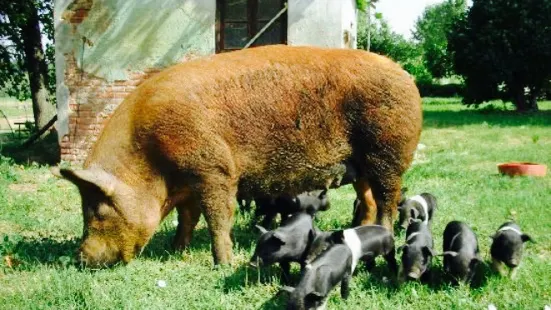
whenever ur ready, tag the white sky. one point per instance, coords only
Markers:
(402, 14)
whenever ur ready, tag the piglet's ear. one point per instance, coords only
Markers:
(338, 236)
(279, 237)
(451, 253)
(261, 229)
(401, 248)
(323, 194)
(428, 251)
(315, 296)
(526, 237)
(288, 289)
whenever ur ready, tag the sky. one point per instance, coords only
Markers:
(402, 14)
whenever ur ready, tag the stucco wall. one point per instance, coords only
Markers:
(326, 23)
(105, 48)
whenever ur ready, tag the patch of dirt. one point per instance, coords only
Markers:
(23, 188)
(8, 227)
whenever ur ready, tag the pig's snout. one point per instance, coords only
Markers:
(255, 262)
(96, 254)
(414, 275)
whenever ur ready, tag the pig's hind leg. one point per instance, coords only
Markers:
(188, 216)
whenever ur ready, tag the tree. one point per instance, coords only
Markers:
(431, 31)
(502, 49)
(24, 71)
(386, 42)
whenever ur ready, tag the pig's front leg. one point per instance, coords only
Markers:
(286, 269)
(345, 285)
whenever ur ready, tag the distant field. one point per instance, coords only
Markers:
(41, 223)
(16, 111)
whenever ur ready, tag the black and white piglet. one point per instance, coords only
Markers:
(328, 269)
(461, 254)
(365, 242)
(507, 248)
(309, 202)
(286, 244)
(417, 252)
(417, 207)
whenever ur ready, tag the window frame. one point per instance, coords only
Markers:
(252, 22)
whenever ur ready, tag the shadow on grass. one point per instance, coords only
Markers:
(45, 151)
(26, 252)
(445, 119)
(276, 302)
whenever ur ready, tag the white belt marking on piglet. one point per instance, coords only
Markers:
(354, 243)
(412, 235)
(511, 229)
(425, 206)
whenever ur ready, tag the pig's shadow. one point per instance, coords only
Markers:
(160, 246)
(245, 276)
(276, 302)
(442, 281)
(380, 277)
(26, 252)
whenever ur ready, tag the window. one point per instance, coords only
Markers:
(238, 21)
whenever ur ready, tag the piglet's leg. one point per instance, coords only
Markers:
(286, 269)
(390, 258)
(366, 212)
(345, 285)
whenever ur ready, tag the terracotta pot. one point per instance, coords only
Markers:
(523, 169)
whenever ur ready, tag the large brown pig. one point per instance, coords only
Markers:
(266, 121)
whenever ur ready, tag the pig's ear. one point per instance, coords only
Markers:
(338, 236)
(279, 237)
(94, 177)
(451, 253)
(401, 248)
(477, 259)
(315, 296)
(288, 289)
(414, 213)
(428, 251)
(261, 229)
(323, 194)
(526, 237)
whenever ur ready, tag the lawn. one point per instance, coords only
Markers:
(41, 223)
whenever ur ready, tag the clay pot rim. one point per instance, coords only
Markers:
(519, 164)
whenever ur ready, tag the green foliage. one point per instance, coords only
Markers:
(13, 71)
(431, 30)
(42, 219)
(502, 49)
(386, 42)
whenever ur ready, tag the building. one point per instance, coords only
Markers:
(105, 48)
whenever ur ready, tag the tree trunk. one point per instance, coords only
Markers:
(36, 68)
(524, 102)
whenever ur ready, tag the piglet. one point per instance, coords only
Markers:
(507, 248)
(309, 202)
(320, 277)
(365, 242)
(461, 254)
(417, 252)
(286, 244)
(417, 207)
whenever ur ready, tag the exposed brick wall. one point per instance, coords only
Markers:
(91, 100)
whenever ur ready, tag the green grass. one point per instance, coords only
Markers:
(40, 226)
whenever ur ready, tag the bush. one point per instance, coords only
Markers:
(437, 90)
